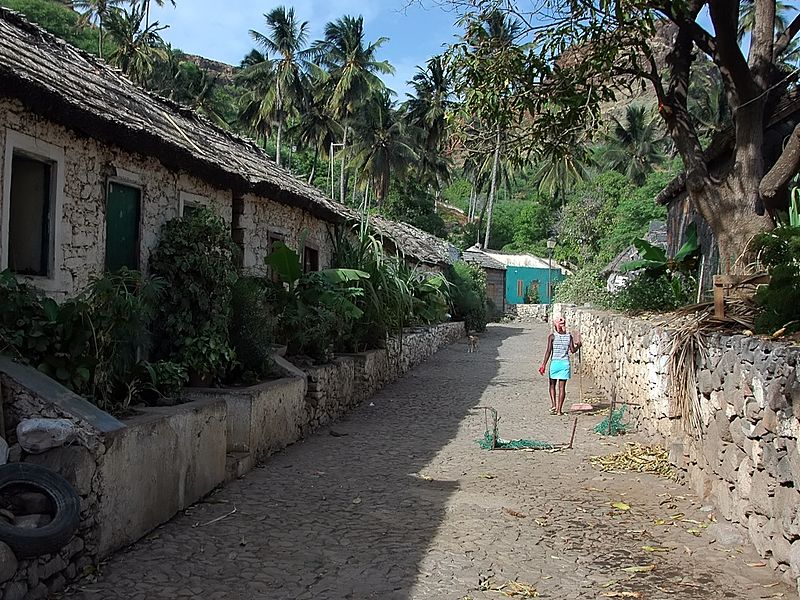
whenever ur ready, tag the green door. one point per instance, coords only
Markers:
(122, 227)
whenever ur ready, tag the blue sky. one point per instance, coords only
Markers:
(415, 32)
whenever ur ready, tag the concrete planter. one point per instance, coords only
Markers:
(261, 419)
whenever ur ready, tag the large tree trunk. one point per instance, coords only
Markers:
(492, 189)
(728, 208)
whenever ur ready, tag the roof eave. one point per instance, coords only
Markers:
(54, 107)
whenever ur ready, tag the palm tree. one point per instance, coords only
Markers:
(560, 168)
(136, 49)
(316, 128)
(255, 106)
(426, 110)
(383, 146)
(431, 101)
(353, 68)
(747, 16)
(146, 4)
(636, 146)
(96, 11)
(708, 102)
(488, 38)
(286, 40)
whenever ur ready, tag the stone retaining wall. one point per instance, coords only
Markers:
(330, 392)
(747, 461)
(136, 474)
(528, 313)
(118, 470)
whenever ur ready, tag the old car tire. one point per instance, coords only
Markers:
(66, 505)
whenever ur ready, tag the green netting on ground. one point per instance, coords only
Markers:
(617, 426)
(492, 440)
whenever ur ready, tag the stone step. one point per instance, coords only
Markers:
(237, 464)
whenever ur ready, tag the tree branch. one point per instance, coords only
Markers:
(784, 168)
(762, 42)
(785, 38)
(729, 58)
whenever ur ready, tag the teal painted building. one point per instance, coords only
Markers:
(527, 277)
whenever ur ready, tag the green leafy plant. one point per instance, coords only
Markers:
(468, 295)
(654, 292)
(195, 258)
(253, 325)
(88, 343)
(794, 208)
(387, 299)
(585, 286)
(430, 298)
(779, 250)
(655, 260)
(315, 308)
(665, 283)
(162, 381)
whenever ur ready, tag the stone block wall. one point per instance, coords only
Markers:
(528, 313)
(86, 168)
(747, 458)
(126, 488)
(263, 418)
(370, 373)
(330, 392)
(418, 344)
(118, 468)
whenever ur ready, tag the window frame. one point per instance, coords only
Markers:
(36, 149)
(191, 200)
(314, 249)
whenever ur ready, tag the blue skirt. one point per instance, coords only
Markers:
(560, 369)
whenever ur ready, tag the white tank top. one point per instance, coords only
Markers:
(561, 345)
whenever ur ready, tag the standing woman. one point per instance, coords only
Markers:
(559, 346)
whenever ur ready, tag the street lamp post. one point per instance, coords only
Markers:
(551, 243)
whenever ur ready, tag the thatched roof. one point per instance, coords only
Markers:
(415, 242)
(81, 92)
(721, 146)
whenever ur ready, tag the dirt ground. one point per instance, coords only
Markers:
(398, 501)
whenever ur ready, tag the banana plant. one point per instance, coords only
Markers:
(328, 287)
(794, 208)
(655, 259)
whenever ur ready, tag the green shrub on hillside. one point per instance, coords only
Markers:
(468, 295)
(59, 19)
(585, 286)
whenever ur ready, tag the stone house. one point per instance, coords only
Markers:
(495, 275)
(91, 167)
(612, 272)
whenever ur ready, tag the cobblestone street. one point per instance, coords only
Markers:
(397, 501)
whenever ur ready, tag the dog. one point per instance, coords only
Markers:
(473, 343)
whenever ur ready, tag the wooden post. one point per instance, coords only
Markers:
(611, 409)
(572, 437)
(719, 297)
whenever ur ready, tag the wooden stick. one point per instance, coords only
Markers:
(611, 411)
(572, 437)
